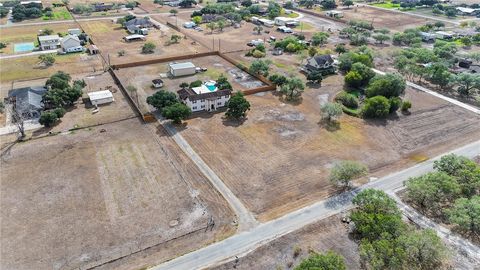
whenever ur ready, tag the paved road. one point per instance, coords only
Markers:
(27, 54)
(435, 94)
(460, 244)
(246, 220)
(247, 241)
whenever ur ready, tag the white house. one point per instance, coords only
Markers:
(468, 11)
(282, 21)
(266, 23)
(334, 14)
(205, 97)
(74, 31)
(100, 97)
(181, 69)
(71, 44)
(50, 42)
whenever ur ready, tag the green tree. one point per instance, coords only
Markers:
(221, 25)
(466, 172)
(260, 67)
(388, 85)
(173, 12)
(383, 253)
(223, 83)
(47, 59)
(359, 75)
(162, 99)
(148, 47)
(175, 39)
(48, 118)
(59, 80)
(380, 38)
(465, 214)
(212, 26)
(345, 171)
(467, 83)
(439, 25)
(319, 38)
(237, 106)
(315, 77)
(328, 261)
(328, 4)
(375, 215)
(197, 20)
(278, 79)
(176, 112)
(406, 105)
(258, 29)
(347, 3)
(292, 89)
(187, 3)
(376, 107)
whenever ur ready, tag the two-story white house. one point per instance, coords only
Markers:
(50, 42)
(205, 97)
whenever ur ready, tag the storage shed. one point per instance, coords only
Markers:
(100, 97)
(181, 69)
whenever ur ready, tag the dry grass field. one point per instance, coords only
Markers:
(280, 157)
(395, 21)
(325, 235)
(141, 76)
(95, 196)
(108, 36)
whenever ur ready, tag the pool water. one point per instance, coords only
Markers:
(24, 47)
(211, 86)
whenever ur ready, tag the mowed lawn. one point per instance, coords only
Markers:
(60, 13)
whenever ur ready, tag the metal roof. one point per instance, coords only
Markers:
(182, 65)
(100, 95)
(49, 37)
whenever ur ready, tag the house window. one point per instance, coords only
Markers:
(203, 106)
(194, 101)
(194, 108)
(219, 103)
(219, 97)
(203, 100)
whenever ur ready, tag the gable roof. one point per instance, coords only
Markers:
(183, 94)
(319, 61)
(28, 97)
(138, 21)
(47, 38)
(70, 38)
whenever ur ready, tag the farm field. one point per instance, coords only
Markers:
(279, 158)
(108, 36)
(141, 76)
(99, 195)
(20, 34)
(395, 21)
(322, 236)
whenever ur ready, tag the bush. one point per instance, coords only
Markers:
(258, 54)
(196, 83)
(48, 118)
(388, 85)
(406, 105)
(148, 47)
(395, 103)
(347, 99)
(376, 107)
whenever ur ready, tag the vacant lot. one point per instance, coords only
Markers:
(96, 196)
(280, 157)
(108, 36)
(325, 235)
(394, 21)
(21, 34)
(141, 76)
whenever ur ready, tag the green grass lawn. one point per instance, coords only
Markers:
(60, 13)
(387, 4)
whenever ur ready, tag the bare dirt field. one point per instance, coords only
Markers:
(108, 36)
(394, 21)
(141, 76)
(20, 34)
(96, 196)
(328, 234)
(280, 157)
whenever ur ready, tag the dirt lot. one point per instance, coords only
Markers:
(19, 34)
(279, 158)
(384, 19)
(108, 36)
(28, 68)
(141, 76)
(328, 234)
(98, 196)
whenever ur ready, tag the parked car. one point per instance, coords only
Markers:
(255, 42)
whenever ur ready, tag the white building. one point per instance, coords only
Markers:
(468, 11)
(266, 23)
(181, 69)
(100, 97)
(282, 21)
(71, 44)
(50, 42)
(74, 31)
(205, 97)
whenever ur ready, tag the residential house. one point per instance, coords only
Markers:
(102, 7)
(50, 42)
(204, 98)
(71, 44)
(334, 14)
(284, 21)
(138, 25)
(468, 11)
(321, 63)
(34, 3)
(428, 37)
(74, 31)
(27, 101)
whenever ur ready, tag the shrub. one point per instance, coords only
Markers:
(347, 99)
(196, 83)
(406, 105)
(376, 107)
(258, 54)
(395, 103)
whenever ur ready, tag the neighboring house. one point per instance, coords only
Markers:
(50, 42)
(102, 7)
(468, 11)
(334, 14)
(138, 26)
(157, 83)
(181, 69)
(174, 3)
(34, 3)
(266, 23)
(321, 63)
(284, 21)
(71, 44)
(74, 31)
(428, 37)
(28, 101)
(100, 97)
(199, 99)
(444, 35)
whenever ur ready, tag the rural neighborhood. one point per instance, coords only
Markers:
(239, 134)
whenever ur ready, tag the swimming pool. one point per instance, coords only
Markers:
(24, 47)
(211, 86)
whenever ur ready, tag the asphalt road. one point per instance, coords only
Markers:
(247, 241)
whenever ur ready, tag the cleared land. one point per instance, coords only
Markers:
(279, 158)
(141, 76)
(328, 234)
(394, 21)
(96, 196)
(108, 36)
